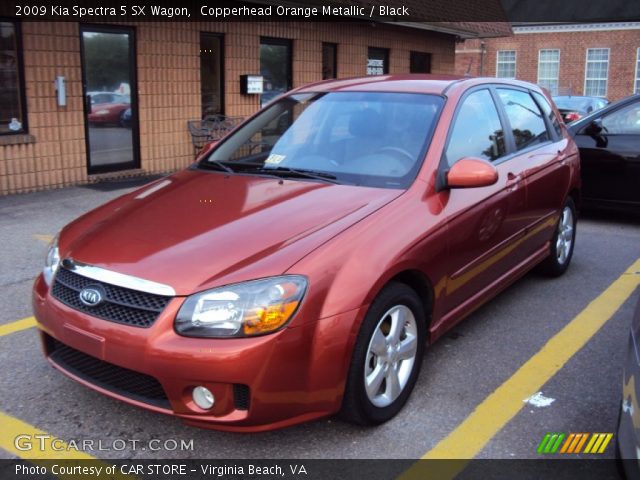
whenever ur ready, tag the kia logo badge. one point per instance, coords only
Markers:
(92, 295)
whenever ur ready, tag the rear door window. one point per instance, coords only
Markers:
(526, 120)
(549, 113)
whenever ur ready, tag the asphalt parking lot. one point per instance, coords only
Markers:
(469, 400)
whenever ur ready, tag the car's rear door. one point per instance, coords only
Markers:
(540, 160)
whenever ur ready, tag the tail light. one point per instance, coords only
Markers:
(572, 116)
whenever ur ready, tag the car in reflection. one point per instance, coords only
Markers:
(609, 143)
(628, 434)
(574, 107)
(125, 118)
(108, 108)
(289, 276)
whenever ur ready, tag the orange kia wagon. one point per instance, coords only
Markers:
(299, 268)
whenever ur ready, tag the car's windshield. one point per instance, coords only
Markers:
(362, 138)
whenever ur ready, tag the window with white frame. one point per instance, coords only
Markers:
(597, 72)
(637, 89)
(548, 69)
(506, 64)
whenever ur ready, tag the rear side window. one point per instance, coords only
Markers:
(548, 112)
(477, 131)
(527, 124)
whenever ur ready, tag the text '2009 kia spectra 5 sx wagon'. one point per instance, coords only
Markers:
(302, 264)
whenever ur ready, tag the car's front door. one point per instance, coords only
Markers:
(484, 224)
(611, 158)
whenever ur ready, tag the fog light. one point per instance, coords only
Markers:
(203, 398)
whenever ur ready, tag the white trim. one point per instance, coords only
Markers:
(636, 80)
(515, 62)
(586, 63)
(576, 27)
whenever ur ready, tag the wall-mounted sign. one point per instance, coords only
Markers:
(251, 84)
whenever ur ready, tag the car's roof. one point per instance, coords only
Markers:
(414, 83)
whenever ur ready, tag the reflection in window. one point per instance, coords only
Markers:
(476, 131)
(527, 124)
(548, 112)
(625, 121)
(364, 138)
(12, 111)
(275, 67)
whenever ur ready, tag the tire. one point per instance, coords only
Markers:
(396, 309)
(562, 243)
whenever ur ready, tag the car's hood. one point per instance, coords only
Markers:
(195, 230)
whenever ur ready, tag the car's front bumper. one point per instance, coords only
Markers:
(291, 376)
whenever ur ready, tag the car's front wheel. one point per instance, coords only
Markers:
(562, 242)
(386, 358)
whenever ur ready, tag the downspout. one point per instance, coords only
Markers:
(483, 49)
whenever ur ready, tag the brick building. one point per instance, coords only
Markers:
(596, 59)
(131, 87)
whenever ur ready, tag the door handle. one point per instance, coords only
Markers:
(513, 181)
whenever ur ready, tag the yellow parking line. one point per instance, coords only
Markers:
(16, 326)
(490, 416)
(30, 443)
(43, 238)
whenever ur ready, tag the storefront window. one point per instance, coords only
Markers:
(12, 110)
(329, 61)
(378, 61)
(211, 74)
(275, 67)
(420, 62)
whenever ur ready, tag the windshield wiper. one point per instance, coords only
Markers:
(287, 171)
(218, 166)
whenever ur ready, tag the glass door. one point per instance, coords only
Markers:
(110, 106)
(275, 67)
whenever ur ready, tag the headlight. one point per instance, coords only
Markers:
(102, 112)
(241, 310)
(52, 261)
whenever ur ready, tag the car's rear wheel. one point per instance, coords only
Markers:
(563, 241)
(386, 358)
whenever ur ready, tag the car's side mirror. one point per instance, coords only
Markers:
(470, 172)
(594, 128)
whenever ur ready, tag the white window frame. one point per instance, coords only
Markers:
(586, 68)
(557, 77)
(515, 62)
(636, 83)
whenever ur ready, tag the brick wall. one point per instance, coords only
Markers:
(168, 63)
(623, 45)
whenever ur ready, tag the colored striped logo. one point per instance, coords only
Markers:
(574, 443)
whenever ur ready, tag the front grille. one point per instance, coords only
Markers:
(119, 380)
(121, 305)
(241, 396)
